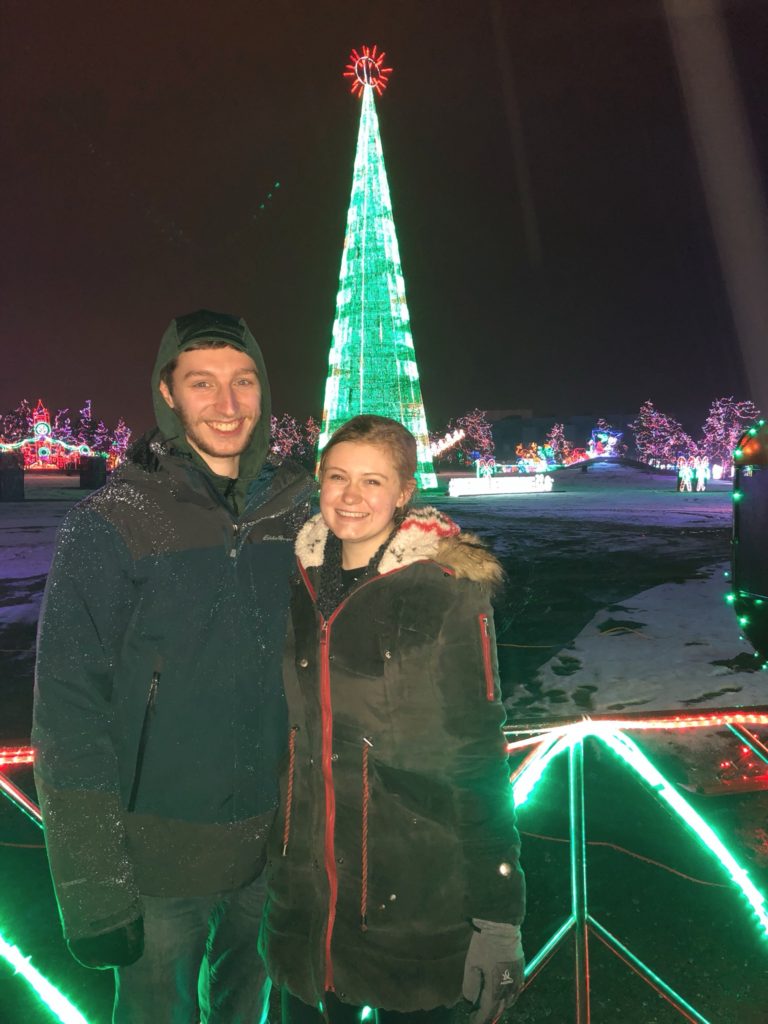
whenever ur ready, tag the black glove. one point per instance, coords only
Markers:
(118, 948)
(494, 970)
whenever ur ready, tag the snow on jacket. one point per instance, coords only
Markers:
(158, 719)
(396, 824)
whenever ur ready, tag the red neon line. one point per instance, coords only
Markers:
(16, 755)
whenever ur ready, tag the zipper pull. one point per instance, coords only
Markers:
(486, 628)
(153, 691)
(235, 533)
(324, 633)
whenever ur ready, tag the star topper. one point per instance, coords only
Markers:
(366, 69)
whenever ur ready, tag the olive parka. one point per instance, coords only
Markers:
(396, 823)
(158, 714)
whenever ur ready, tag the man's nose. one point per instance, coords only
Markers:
(227, 401)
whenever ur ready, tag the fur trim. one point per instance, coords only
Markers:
(424, 534)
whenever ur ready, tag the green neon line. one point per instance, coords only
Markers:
(644, 971)
(59, 1005)
(747, 741)
(529, 778)
(533, 965)
(634, 757)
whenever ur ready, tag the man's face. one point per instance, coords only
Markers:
(216, 394)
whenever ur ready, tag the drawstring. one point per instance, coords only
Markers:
(364, 846)
(289, 794)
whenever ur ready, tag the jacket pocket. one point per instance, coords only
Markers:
(485, 642)
(149, 711)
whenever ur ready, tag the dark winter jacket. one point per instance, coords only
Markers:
(159, 717)
(396, 823)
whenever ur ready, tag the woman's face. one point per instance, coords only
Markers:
(360, 490)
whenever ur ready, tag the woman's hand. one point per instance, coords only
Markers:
(494, 970)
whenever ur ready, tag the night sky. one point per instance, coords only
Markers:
(141, 139)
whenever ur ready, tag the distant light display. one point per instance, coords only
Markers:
(41, 450)
(524, 483)
(372, 362)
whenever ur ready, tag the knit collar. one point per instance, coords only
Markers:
(417, 539)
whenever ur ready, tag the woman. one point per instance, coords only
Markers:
(393, 871)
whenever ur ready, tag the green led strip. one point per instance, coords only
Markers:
(634, 758)
(48, 994)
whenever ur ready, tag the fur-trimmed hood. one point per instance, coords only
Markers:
(425, 533)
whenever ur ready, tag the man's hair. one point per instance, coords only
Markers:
(383, 433)
(166, 374)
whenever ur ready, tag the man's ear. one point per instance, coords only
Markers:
(165, 391)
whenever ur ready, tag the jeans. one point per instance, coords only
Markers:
(294, 1011)
(200, 962)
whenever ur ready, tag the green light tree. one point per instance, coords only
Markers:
(372, 362)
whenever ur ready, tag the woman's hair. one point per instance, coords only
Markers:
(383, 433)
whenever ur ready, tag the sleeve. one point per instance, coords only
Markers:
(478, 765)
(86, 606)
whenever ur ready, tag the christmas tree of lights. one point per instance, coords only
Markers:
(372, 362)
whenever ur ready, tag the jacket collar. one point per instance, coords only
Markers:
(417, 539)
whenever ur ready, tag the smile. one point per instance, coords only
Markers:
(225, 426)
(351, 515)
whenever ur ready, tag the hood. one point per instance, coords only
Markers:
(425, 533)
(180, 334)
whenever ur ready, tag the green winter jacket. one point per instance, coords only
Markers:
(158, 717)
(396, 823)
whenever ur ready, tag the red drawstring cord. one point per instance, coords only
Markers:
(364, 847)
(289, 794)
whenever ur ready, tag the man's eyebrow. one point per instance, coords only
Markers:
(211, 373)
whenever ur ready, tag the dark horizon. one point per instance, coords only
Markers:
(142, 145)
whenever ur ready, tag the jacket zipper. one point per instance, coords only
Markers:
(289, 793)
(326, 713)
(149, 711)
(485, 639)
(367, 745)
(330, 798)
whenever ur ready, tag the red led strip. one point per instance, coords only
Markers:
(16, 755)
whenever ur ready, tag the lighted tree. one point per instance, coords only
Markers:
(478, 433)
(312, 433)
(85, 427)
(121, 438)
(101, 437)
(62, 427)
(660, 437)
(372, 362)
(17, 424)
(556, 440)
(287, 437)
(726, 422)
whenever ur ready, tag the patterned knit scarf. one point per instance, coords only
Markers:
(332, 587)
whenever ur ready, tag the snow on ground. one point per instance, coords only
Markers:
(673, 646)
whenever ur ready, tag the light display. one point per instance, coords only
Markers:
(41, 450)
(372, 362)
(445, 443)
(659, 437)
(749, 552)
(527, 483)
(570, 738)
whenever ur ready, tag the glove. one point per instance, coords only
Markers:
(118, 948)
(494, 971)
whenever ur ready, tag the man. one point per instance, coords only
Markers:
(159, 715)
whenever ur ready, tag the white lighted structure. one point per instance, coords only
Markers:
(461, 486)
